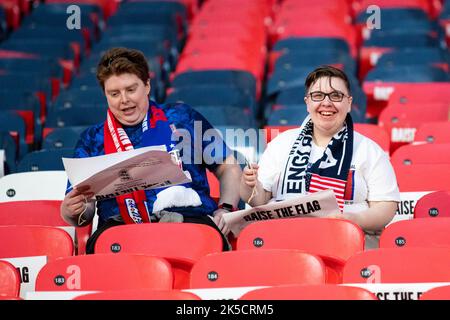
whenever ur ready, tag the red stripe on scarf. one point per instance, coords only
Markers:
(114, 142)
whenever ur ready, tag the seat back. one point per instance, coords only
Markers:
(391, 265)
(105, 272)
(423, 177)
(433, 132)
(257, 268)
(141, 294)
(38, 185)
(188, 242)
(309, 292)
(42, 160)
(434, 204)
(332, 237)
(417, 233)
(429, 153)
(28, 240)
(9, 280)
(438, 293)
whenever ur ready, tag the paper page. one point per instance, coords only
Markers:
(119, 173)
(318, 204)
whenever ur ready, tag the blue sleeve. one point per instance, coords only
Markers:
(214, 148)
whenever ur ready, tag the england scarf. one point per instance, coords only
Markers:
(329, 172)
(132, 206)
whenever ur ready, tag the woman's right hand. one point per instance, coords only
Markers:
(75, 203)
(250, 175)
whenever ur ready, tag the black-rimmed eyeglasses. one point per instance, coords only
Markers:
(334, 96)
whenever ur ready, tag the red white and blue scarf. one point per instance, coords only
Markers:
(156, 131)
(329, 172)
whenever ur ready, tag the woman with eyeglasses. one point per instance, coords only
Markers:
(326, 153)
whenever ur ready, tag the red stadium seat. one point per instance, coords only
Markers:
(183, 245)
(417, 233)
(42, 213)
(309, 292)
(438, 293)
(105, 272)
(433, 132)
(334, 240)
(375, 133)
(423, 177)
(430, 153)
(143, 294)
(257, 268)
(402, 123)
(9, 280)
(379, 93)
(393, 265)
(432, 205)
(35, 241)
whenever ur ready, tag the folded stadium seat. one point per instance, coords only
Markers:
(416, 233)
(419, 73)
(42, 213)
(309, 292)
(66, 137)
(227, 116)
(429, 153)
(214, 95)
(105, 272)
(392, 265)
(234, 78)
(9, 280)
(219, 61)
(338, 241)
(8, 145)
(433, 132)
(52, 15)
(75, 98)
(28, 186)
(379, 93)
(24, 187)
(411, 56)
(27, 107)
(59, 118)
(108, 7)
(14, 123)
(437, 293)
(139, 294)
(434, 204)
(42, 160)
(3, 24)
(312, 59)
(297, 44)
(287, 115)
(423, 177)
(246, 268)
(186, 245)
(35, 240)
(331, 26)
(422, 5)
(375, 133)
(47, 48)
(401, 122)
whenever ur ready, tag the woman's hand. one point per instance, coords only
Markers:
(75, 205)
(250, 175)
